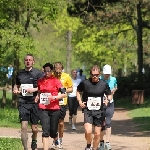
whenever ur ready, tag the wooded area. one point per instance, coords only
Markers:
(79, 33)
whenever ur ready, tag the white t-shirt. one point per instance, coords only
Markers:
(75, 82)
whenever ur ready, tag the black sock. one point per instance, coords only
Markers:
(34, 141)
(88, 145)
(102, 141)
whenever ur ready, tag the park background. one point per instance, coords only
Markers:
(79, 34)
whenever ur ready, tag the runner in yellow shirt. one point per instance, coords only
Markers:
(67, 83)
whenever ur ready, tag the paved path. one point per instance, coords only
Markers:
(125, 135)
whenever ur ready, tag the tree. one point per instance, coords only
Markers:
(66, 25)
(16, 17)
(107, 14)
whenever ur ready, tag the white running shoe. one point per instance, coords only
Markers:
(60, 144)
(56, 144)
(73, 127)
(107, 146)
(101, 147)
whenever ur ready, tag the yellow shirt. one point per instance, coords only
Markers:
(67, 83)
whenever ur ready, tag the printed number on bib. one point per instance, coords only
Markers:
(61, 101)
(24, 88)
(44, 98)
(94, 103)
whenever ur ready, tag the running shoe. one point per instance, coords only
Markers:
(60, 144)
(107, 146)
(34, 145)
(55, 144)
(101, 147)
(73, 127)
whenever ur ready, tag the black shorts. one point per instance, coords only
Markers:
(63, 110)
(93, 117)
(28, 112)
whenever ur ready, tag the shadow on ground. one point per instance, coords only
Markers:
(119, 127)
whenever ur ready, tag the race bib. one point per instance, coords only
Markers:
(94, 103)
(61, 101)
(44, 98)
(24, 87)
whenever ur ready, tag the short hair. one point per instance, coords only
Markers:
(48, 65)
(29, 55)
(95, 68)
(58, 64)
(73, 70)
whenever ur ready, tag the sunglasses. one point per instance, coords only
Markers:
(74, 72)
(95, 75)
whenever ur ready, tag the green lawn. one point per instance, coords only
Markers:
(10, 144)
(9, 116)
(139, 113)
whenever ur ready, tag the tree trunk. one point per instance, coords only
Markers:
(69, 51)
(3, 103)
(16, 69)
(139, 42)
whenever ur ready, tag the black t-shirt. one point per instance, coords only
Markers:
(93, 89)
(28, 77)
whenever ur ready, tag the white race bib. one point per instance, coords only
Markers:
(94, 103)
(61, 101)
(44, 98)
(24, 87)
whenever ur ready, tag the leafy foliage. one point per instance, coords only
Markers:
(10, 143)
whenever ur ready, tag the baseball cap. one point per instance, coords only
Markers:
(107, 69)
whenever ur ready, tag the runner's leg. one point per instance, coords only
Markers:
(24, 135)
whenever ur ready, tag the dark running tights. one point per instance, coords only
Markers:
(73, 105)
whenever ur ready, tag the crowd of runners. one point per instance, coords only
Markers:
(45, 95)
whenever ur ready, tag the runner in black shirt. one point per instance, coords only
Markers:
(26, 87)
(93, 90)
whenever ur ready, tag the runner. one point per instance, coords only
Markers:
(112, 82)
(26, 80)
(67, 83)
(93, 90)
(48, 95)
(72, 100)
(81, 75)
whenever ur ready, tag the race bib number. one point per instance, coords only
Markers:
(24, 88)
(61, 101)
(94, 103)
(44, 98)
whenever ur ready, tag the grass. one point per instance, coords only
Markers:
(9, 116)
(10, 144)
(139, 113)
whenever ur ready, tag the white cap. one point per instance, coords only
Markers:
(107, 69)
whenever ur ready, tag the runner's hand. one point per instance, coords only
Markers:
(30, 90)
(36, 99)
(82, 104)
(105, 102)
(16, 91)
(50, 97)
(112, 91)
